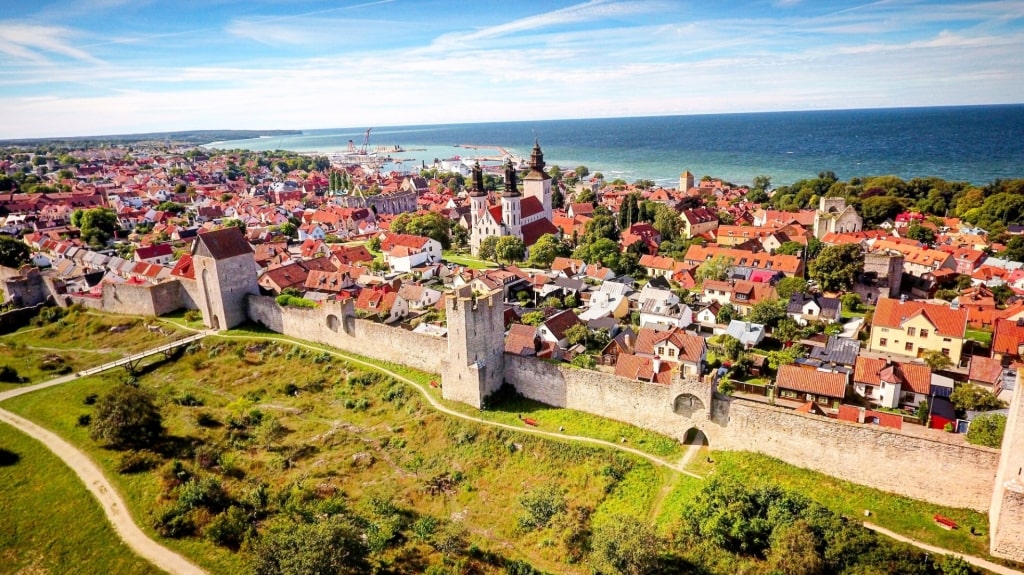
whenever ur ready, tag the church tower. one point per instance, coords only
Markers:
(477, 207)
(537, 183)
(510, 203)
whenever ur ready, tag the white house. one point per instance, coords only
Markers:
(749, 334)
(404, 252)
(661, 307)
(419, 297)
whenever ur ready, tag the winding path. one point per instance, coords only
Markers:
(172, 562)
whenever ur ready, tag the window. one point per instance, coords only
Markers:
(671, 352)
(661, 351)
(924, 333)
(883, 342)
(909, 346)
(946, 340)
(885, 330)
(945, 351)
(911, 331)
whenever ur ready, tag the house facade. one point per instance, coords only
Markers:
(911, 328)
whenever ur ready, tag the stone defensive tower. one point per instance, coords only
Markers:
(225, 268)
(476, 346)
(685, 181)
(1006, 516)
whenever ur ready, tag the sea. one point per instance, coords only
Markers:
(975, 144)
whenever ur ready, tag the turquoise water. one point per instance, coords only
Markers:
(977, 144)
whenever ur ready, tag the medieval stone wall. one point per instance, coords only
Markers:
(333, 323)
(947, 473)
(130, 299)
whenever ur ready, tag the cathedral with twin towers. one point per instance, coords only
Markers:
(525, 215)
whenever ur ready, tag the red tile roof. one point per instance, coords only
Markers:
(947, 321)
(911, 376)
(1008, 337)
(796, 378)
(642, 369)
(985, 370)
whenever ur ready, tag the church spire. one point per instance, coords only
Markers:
(477, 189)
(511, 188)
(537, 157)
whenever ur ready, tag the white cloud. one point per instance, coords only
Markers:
(38, 44)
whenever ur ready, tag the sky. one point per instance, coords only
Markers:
(91, 67)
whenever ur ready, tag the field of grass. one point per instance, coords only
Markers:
(42, 497)
(79, 340)
(342, 435)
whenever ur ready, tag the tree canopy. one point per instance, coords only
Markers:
(127, 416)
(836, 267)
(509, 249)
(97, 225)
(13, 253)
(987, 430)
(431, 225)
(546, 249)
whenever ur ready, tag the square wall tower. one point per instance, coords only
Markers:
(476, 346)
(1006, 515)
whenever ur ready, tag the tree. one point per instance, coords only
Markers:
(970, 397)
(851, 301)
(13, 253)
(787, 330)
(533, 318)
(790, 248)
(487, 248)
(431, 225)
(582, 172)
(1001, 293)
(987, 430)
(1014, 249)
(97, 225)
(788, 286)
(127, 417)
(726, 314)
(794, 550)
(877, 209)
(577, 333)
(717, 269)
(509, 249)
(332, 545)
(731, 346)
(921, 233)
(836, 267)
(601, 226)
(546, 249)
(623, 544)
(767, 312)
(936, 359)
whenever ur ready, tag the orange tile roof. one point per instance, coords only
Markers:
(915, 377)
(946, 320)
(1008, 336)
(796, 378)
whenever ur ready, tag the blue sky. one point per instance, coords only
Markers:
(81, 67)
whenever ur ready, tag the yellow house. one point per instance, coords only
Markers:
(911, 328)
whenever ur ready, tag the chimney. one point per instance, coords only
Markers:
(860, 415)
(657, 364)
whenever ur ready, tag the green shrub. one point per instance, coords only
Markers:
(188, 400)
(539, 506)
(987, 430)
(9, 374)
(284, 300)
(193, 315)
(173, 521)
(135, 461)
(84, 420)
(203, 492)
(230, 528)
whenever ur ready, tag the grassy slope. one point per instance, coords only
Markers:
(41, 498)
(406, 440)
(82, 339)
(644, 490)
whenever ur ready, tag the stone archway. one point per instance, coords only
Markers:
(688, 404)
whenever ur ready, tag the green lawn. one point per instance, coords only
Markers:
(468, 261)
(42, 497)
(980, 336)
